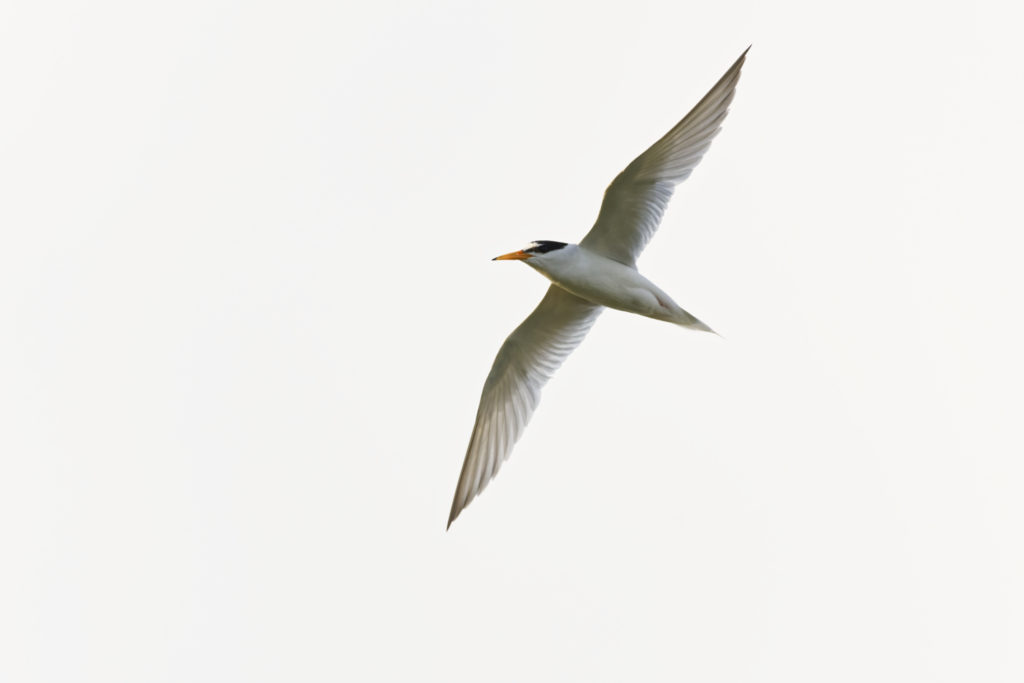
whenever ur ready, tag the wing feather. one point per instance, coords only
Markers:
(635, 201)
(524, 364)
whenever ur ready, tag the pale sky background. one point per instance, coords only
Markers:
(247, 307)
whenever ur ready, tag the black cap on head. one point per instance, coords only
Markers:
(543, 246)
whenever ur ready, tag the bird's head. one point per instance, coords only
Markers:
(541, 249)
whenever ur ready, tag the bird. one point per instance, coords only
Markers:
(600, 272)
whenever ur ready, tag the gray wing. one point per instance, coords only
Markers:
(524, 364)
(635, 201)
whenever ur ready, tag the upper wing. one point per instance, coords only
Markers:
(526, 361)
(636, 199)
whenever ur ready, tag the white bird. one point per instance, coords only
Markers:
(600, 271)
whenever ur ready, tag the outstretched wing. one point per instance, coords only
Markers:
(524, 364)
(635, 201)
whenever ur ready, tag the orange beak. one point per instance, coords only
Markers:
(513, 256)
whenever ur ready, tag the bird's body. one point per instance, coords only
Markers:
(607, 282)
(598, 272)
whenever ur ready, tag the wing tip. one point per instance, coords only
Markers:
(457, 508)
(734, 69)
(736, 66)
(451, 517)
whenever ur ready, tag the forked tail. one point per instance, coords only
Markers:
(687, 320)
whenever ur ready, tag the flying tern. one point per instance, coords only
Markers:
(598, 272)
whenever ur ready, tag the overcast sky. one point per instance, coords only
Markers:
(247, 308)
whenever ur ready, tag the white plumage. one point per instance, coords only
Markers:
(599, 272)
